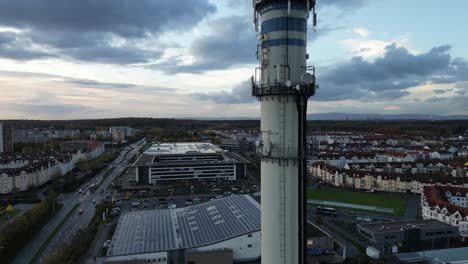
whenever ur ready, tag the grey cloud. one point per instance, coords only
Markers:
(396, 71)
(126, 18)
(86, 30)
(7, 37)
(50, 109)
(87, 83)
(109, 85)
(112, 55)
(14, 47)
(386, 78)
(231, 42)
(442, 91)
(436, 99)
(240, 94)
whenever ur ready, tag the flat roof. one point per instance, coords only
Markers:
(149, 231)
(397, 226)
(184, 148)
(449, 255)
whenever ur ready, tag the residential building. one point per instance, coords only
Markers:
(380, 180)
(21, 172)
(447, 204)
(6, 138)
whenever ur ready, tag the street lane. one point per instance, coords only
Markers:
(69, 229)
(78, 222)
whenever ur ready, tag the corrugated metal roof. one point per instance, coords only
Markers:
(195, 226)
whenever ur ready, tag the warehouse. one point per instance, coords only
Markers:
(164, 163)
(408, 236)
(226, 229)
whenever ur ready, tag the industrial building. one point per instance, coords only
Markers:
(167, 162)
(6, 138)
(225, 230)
(407, 236)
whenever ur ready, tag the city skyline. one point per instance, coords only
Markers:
(160, 59)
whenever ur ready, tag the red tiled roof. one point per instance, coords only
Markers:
(435, 196)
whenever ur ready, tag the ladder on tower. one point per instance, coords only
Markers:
(282, 180)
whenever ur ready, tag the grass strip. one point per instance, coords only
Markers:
(396, 201)
(38, 254)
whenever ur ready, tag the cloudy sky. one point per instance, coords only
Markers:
(192, 58)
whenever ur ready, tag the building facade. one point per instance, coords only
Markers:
(6, 138)
(385, 181)
(21, 172)
(166, 162)
(169, 235)
(446, 204)
(407, 236)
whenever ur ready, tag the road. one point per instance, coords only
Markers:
(76, 221)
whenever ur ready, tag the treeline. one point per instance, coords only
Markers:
(15, 235)
(83, 171)
(73, 251)
(133, 122)
(411, 128)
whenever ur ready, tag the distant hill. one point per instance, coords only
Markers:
(345, 116)
(352, 117)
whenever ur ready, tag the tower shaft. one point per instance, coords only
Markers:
(283, 83)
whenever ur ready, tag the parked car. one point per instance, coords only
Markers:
(107, 244)
(80, 211)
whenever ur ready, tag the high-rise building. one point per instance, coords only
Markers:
(6, 138)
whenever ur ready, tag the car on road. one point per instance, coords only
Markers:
(94, 201)
(107, 244)
(364, 218)
(80, 211)
(136, 204)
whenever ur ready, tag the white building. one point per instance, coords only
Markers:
(446, 204)
(161, 236)
(19, 173)
(164, 162)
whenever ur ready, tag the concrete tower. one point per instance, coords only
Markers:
(283, 83)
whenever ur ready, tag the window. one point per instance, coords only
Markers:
(249, 235)
(249, 245)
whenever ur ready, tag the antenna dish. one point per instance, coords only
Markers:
(307, 77)
(288, 83)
